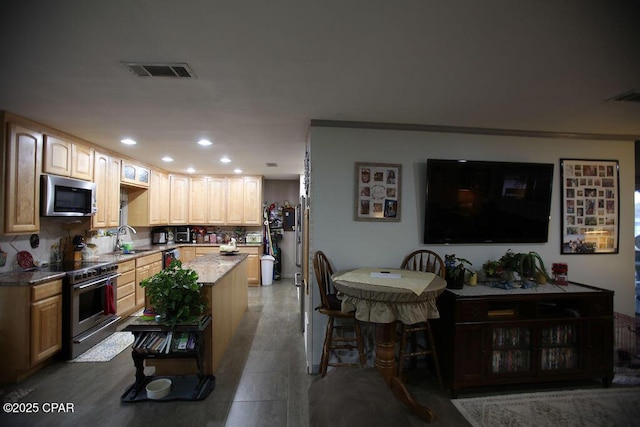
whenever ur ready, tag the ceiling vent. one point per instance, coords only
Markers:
(175, 70)
(272, 165)
(631, 96)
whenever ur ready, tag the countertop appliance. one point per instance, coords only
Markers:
(183, 235)
(60, 196)
(88, 305)
(159, 237)
(252, 238)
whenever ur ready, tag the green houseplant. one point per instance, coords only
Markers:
(527, 265)
(455, 270)
(175, 293)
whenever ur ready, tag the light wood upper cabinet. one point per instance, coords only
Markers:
(134, 174)
(158, 196)
(208, 201)
(244, 205)
(67, 158)
(22, 186)
(107, 180)
(178, 200)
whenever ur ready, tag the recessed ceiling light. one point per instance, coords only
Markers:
(204, 142)
(191, 170)
(128, 141)
(167, 159)
(225, 160)
(237, 171)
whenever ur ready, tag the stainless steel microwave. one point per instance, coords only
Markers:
(61, 196)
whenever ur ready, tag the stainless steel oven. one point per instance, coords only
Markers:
(89, 304)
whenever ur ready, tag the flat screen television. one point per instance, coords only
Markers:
(487, 202)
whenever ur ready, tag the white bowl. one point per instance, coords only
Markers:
(157, 389)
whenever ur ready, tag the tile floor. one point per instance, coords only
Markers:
(262, 380)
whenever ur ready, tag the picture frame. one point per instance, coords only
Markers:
(590, 206)
(377, 192)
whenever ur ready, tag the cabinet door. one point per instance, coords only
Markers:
(235, 201)
(469, 363)
(106, 178)
(24, 157)
(511, 350)
(198, 200)
(187, 254)
(57, 156)
(134, 174)
(252, 210)
(598, 345)
(81, 162)
(142, 273)
(46, 328)
(217, 201)
(178, 200)
(158, 198)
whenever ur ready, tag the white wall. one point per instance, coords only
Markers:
(352, 244)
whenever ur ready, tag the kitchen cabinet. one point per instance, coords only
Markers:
(134, 174)
(106, 178)
(187, 253)
(178, 200)
(159, 190)
(253, 259)
(208, 200)
(146, 266)
(46, 321)
(67, 158)
(23, 166)
(30, 328)
(501, 337)
(126, 292)
(244, 200)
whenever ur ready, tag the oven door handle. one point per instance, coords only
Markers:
(102, 279)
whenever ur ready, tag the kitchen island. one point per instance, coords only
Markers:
(224, 279)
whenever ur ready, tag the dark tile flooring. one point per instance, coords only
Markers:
(262, 380)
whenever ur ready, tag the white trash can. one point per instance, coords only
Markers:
(267, 269)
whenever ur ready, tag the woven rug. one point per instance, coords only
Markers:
(107, 349)
(589, 408)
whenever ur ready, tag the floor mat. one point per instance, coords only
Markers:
(107, 349)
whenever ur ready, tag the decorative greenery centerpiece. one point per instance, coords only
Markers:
(175, 293)
(528, 266)
(455, 270)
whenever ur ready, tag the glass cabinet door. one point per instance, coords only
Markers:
(558, 347)
(511, 350)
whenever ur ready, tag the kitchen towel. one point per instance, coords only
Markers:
(109, 306)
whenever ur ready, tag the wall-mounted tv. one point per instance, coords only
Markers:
(487, 202)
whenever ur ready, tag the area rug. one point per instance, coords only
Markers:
(107, 349)
(589, 408)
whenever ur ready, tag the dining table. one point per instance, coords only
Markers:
(385, 296)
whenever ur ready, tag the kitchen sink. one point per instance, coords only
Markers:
(132, 252)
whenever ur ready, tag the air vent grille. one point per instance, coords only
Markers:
(272, 165)
(631, 96)
(174, 70)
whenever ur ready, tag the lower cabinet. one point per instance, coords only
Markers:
(146, 266)
(504, 338)
(30, 328)
(126, 293)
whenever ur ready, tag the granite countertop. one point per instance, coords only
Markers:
(213, 267)
(209, 274)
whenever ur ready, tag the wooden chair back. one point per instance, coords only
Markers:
(323, 271)
(424, 260)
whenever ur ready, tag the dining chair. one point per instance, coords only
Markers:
(331, 307)
(430, 262)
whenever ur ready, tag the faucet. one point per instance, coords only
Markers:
(122, 227)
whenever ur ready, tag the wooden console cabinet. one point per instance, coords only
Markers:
(487, 336)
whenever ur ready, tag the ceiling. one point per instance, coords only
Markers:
(263, 70)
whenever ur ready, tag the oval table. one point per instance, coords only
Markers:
(385, 296)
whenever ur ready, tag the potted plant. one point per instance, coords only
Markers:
(174, 293)
(455, 270)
